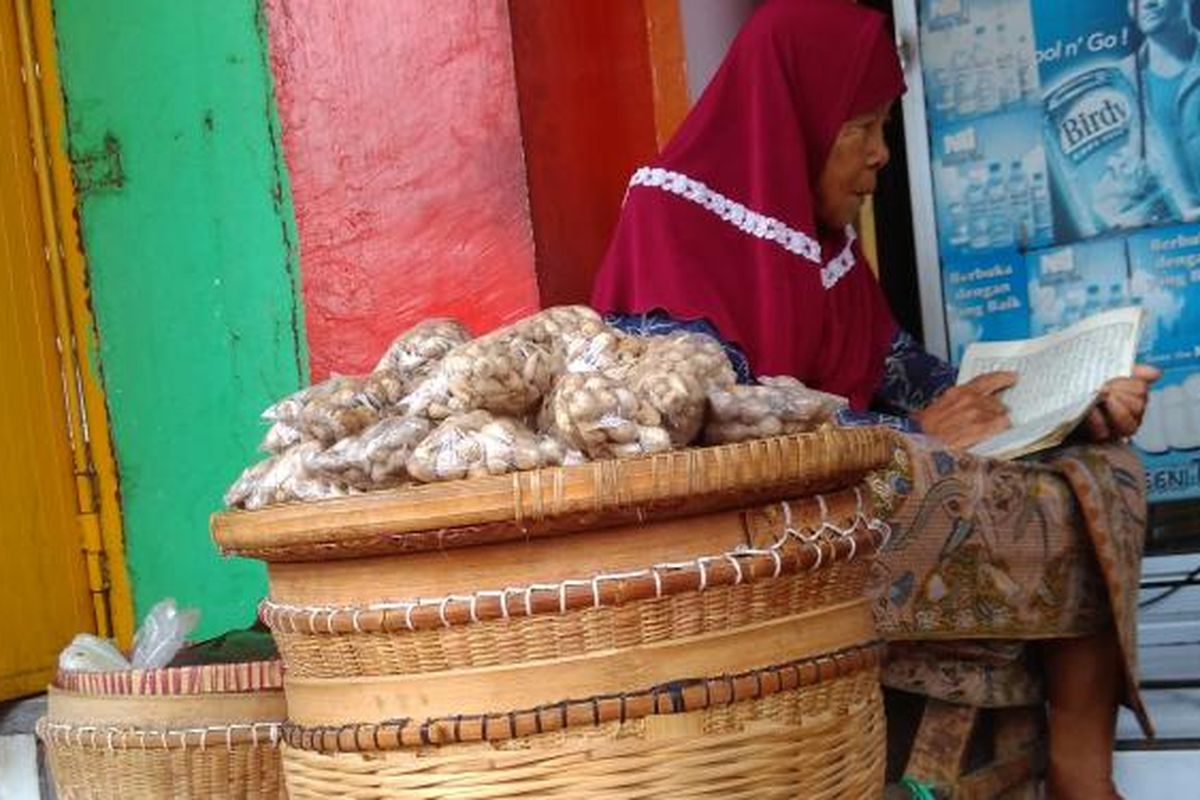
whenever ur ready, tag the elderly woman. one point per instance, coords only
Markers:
(742, 228)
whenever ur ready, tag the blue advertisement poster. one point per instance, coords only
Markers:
(1071, 282)
(986, 299)
(1065, 152)
(991, 185)
(1165, 264)
(1115, 89)
(1169, 438)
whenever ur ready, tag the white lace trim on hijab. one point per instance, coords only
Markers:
(837, 268)
(748, 221)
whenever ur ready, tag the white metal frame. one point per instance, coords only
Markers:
(920, 181)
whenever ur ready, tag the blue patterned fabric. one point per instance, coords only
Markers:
(912, 378)
(849, 418)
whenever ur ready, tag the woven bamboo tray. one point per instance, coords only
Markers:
(670, 626)
(202, 731)
(547, 501)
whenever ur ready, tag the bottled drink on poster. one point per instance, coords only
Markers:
(1109, 169)
(979, 58)
(1095, 144)
(1072, 282)
(991, 189)
(990, 177)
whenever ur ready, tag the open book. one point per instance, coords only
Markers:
(1059, 378)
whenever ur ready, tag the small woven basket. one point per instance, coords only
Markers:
(198, 731)
(669, 626)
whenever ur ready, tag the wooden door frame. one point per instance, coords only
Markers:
(95, 467)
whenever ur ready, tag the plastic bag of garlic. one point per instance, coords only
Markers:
(598, 414)
(626, 396)
(282, 478)
(414, 353)
(332, 410)
(478, 443)
(376, 458)
(508, 371)
(555, 388)
(775, 407)
(675, 376)
(344, 405)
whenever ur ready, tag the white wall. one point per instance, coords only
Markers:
(708, 28)
(19, 768)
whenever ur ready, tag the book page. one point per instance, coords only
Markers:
(1036, 434)
(1059, 377)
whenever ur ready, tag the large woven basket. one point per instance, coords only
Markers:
(688, 625)
(210, 731)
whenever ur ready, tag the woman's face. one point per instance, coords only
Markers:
(858, 154)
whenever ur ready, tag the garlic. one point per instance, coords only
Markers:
(415, 352)
(777, 406)
(282, 478)
(373, 459)
(602, 417)
(509, 370)
(478, 444)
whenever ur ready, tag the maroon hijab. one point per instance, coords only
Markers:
(721, 226)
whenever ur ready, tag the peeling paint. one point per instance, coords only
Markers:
(98, 168)
(402, 138)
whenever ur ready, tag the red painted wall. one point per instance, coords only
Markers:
(402, 138)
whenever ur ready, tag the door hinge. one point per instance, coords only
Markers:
(95, 557)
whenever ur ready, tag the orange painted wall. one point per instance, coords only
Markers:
(597, 79)
(402, 138)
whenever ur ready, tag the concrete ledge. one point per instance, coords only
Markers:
(20, 716)
(24, 774)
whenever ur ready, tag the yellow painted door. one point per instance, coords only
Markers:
(44, 594)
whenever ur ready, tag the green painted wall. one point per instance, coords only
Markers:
(190, 243)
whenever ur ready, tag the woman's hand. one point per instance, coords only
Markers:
(965, 415)
(1122, 405)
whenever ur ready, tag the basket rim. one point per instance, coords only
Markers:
(191, 679)
(163, 712)
(795, 552)
(120, 737)
(556, 500)
(674, 697)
